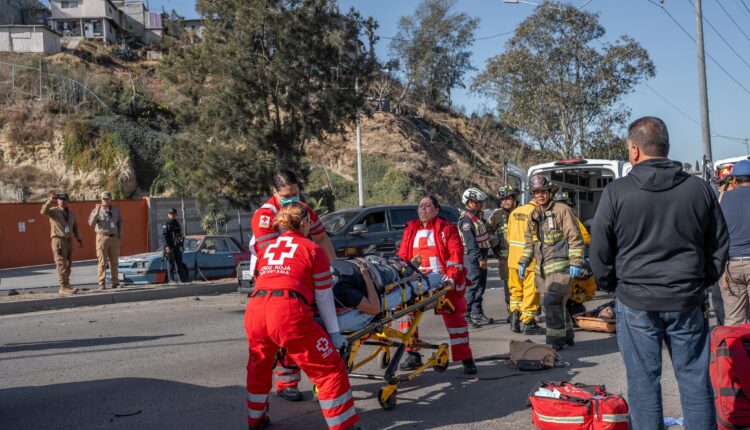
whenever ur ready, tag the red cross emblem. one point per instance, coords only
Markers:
(280, 250)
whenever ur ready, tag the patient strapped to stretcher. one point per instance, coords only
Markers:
(393, 280)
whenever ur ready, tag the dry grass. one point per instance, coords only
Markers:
(28, 122)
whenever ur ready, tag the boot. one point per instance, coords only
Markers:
(531, 328)
(481, 319)
(469, 367)
(570, 341)
(515, 321)
(266, 422)
(67, 291)
(412, 362)
(101, 288)
(291, 394)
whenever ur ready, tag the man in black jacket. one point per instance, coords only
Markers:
(658, 241)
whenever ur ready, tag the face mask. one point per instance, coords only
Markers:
(294, 199)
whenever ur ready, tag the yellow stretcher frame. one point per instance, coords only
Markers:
(383, 337)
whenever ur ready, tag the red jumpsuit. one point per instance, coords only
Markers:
(441, 249)
(280, 315)
(265, 233)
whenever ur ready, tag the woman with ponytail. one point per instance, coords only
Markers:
(293, 275)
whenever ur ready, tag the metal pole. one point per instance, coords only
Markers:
(747, 146)
(702, 82)
(360, 179)
(40, 79)
(13, 78)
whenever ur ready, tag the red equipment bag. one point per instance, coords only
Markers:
(579, 407)
(730, 376)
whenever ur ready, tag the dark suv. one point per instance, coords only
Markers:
(358, 231)
(373, 230)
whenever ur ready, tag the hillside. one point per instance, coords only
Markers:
(46, 144)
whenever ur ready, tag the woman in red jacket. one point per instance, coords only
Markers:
(292, 275)
(436, 246)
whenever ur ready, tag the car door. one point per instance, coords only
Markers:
(398, 219)
(369, 234)
(213, 259)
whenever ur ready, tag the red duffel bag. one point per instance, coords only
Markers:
(730, 376)
(577, 407)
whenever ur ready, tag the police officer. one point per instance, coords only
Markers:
(497, 226)
(476, 242)
(172, 239)
(63, 227)
(554, 239)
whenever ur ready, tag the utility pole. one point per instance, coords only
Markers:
(706, 129)
(360, 179)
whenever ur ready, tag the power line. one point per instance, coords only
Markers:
(672, 104)
(694, 41)
(492, 36)
(722, 37)
(747, 9)
(733, 21)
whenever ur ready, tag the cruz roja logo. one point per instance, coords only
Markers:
(279, 251)
(324, 346)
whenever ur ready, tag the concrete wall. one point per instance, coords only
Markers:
(28, 38)
(237, 226)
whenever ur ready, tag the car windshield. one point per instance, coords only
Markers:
(335, 222)
(191, 244)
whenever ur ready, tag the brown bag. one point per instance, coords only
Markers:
(523, 354)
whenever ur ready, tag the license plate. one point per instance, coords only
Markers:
(247, 274)
(121, 276)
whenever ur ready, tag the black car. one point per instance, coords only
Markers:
(373, 230)
(360, 231)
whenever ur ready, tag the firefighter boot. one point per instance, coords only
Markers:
(469, 367)
(291, 394)
(532, 328)
(515, 321)
(412, 362)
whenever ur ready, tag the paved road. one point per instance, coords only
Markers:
(179, 364)
(44, 278)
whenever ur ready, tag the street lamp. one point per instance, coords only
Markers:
(744, 140)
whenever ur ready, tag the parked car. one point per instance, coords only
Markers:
(373, 230)
(203, 257)
(245, 278)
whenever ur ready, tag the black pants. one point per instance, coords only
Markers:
(174, 265)
(475, 292)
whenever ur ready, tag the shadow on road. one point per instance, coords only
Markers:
(126, 403)
(79, 343)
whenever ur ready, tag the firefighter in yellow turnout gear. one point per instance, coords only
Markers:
(497, 227)
(554, 239)
(524, 297)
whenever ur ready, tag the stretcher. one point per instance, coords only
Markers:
(403, 290)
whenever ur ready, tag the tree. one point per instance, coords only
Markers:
(267, 77)
(433, 47)
(560, 85)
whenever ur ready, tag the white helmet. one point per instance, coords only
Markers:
(473, 194)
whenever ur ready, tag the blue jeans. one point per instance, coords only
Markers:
(640, 335)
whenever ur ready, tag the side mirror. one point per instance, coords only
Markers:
(358, 229)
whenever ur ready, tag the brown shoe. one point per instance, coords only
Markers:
(67, 291)
(101, 288)
(116, 286)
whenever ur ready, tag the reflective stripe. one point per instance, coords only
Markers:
(338, 401)
(255, 414)
(459, 330)
(288, 378)
(521, 244)
(321, 275)
(452, 264)
(560, 419)
(270, 206)
(257, 398)
(289, 369)
(262, 245)
(459, 340)
(556, 266)
(341, 418)
(268, 236)
(615, 418)
(529, 313)
(322, 283)
(555, 332)
(315, 225)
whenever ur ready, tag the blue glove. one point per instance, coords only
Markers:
(522, 272)
(338, 339)
(576, 272)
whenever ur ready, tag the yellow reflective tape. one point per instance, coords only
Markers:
(552, 419)
(615, 418)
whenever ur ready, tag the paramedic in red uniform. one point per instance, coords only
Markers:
(285, 190)
(293, 277)
(436, 246)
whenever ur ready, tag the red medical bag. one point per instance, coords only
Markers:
(730, 376)
(579, 407)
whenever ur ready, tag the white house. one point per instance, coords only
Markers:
(29, 38)
(88, 19)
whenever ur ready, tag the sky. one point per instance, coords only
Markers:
(673, 94)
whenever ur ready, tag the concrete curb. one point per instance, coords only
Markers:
(123, 296)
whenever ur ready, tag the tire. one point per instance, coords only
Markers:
(389, 403)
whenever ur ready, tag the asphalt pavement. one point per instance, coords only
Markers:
(43, 278)
(180, 364)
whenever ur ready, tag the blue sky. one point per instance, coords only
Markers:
(673, 53)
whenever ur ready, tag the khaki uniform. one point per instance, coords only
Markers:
(108, 227)
(524, 295)
(63, 228)
(554, 240)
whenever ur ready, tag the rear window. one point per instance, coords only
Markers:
(336, 221)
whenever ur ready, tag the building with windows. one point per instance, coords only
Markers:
(23, 29)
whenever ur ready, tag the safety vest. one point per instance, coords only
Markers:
(480, 230)
(518, 223)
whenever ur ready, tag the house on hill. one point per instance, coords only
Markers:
(23, 27)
